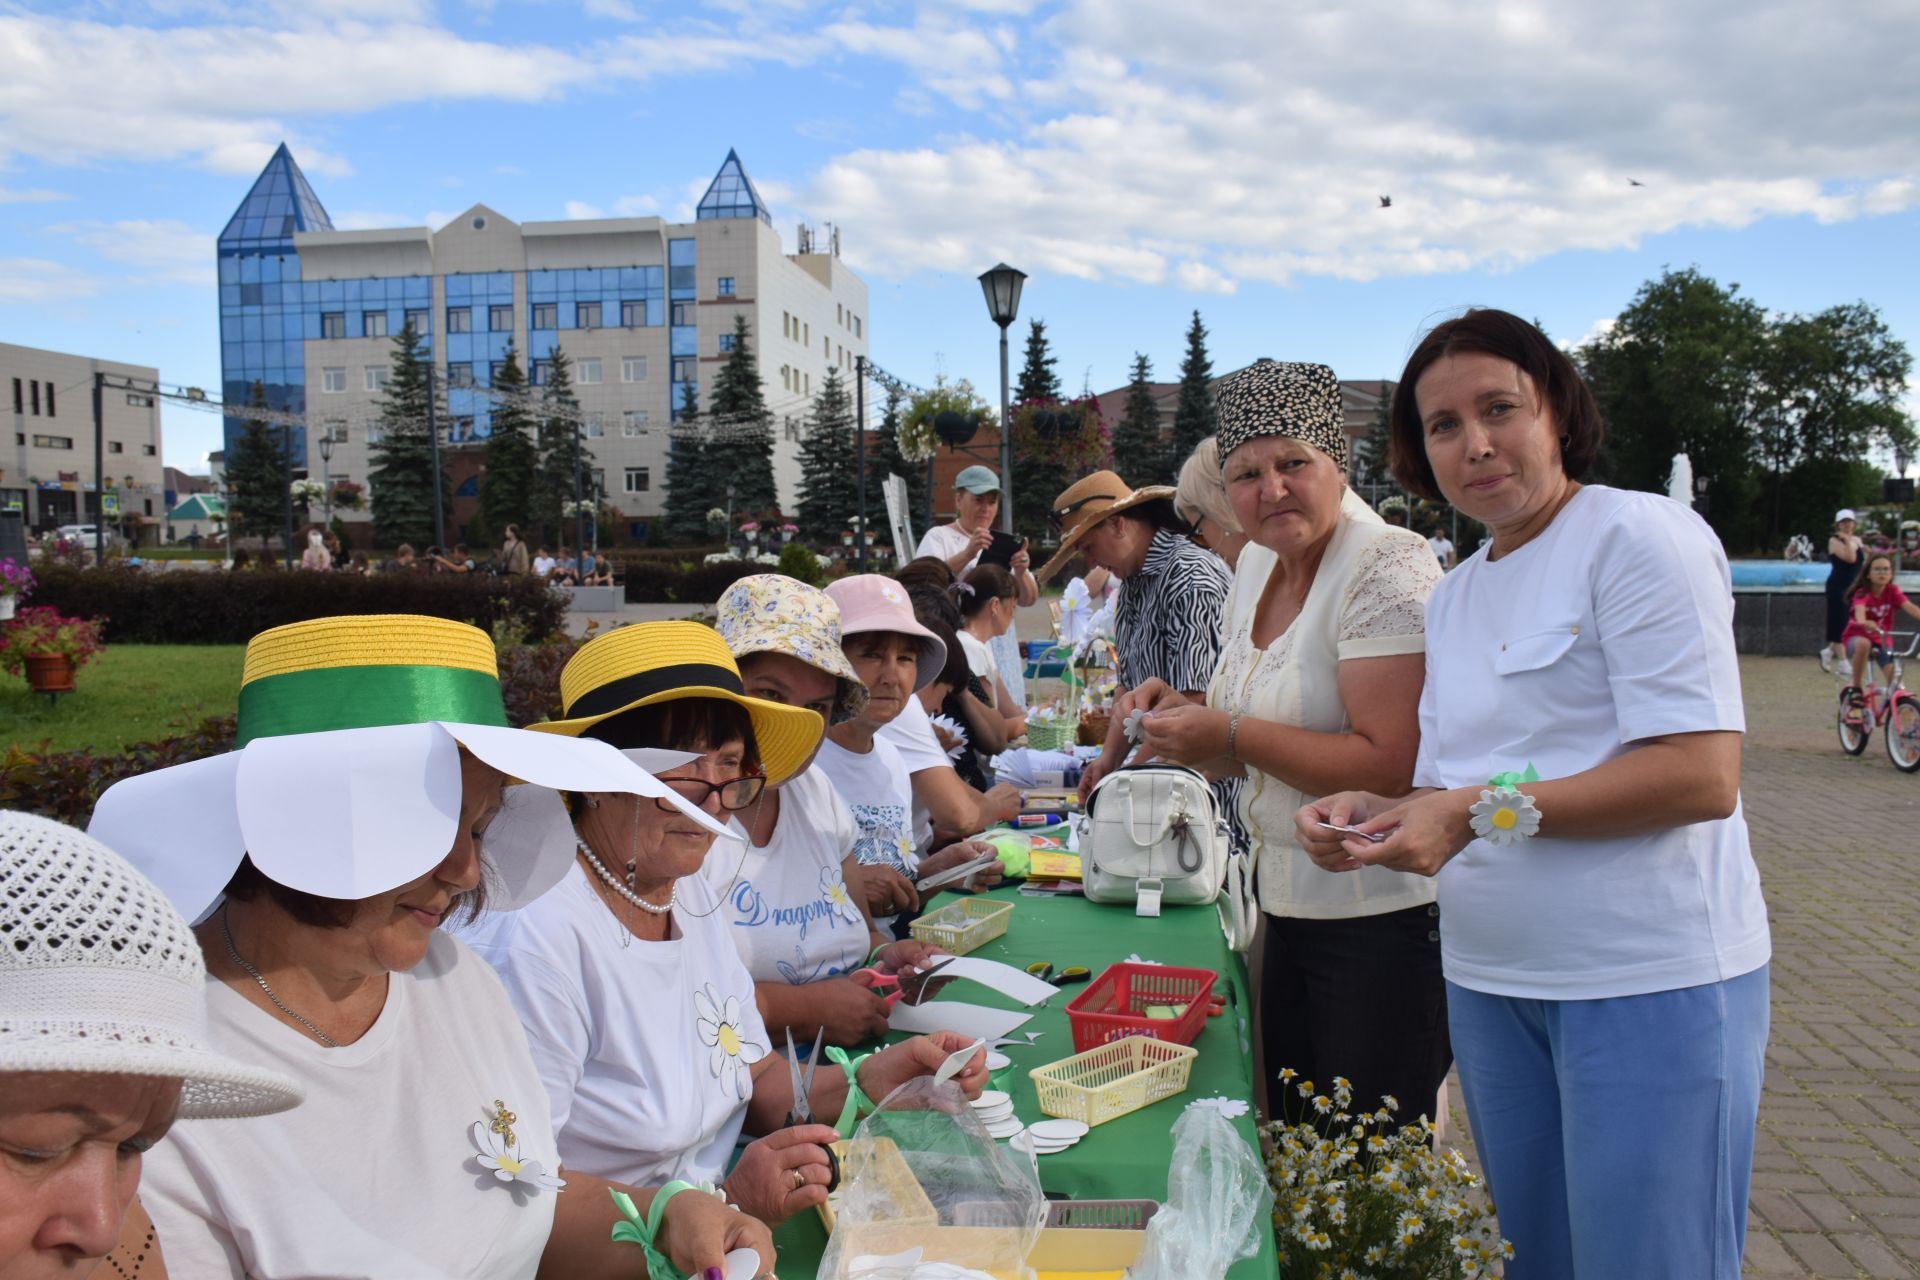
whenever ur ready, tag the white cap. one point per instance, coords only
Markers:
(99, 973)
(1845, 513)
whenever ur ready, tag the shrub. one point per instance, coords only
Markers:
(799, 563)
(215, 607)
(678, 582)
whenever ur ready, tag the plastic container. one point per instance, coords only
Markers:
(1050, 735)
(1109, 1082)
(964, 926)
(1115, 1004)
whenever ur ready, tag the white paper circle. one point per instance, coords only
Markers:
(997, 1061)
(1059, 1130)
(742, 1264)
(989, 1099)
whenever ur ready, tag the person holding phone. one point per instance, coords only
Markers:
(976, 492)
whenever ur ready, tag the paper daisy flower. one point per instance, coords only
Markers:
(500, 1152)
(834, 890)
(954, 730)
(1504, 816)
(733, 1053)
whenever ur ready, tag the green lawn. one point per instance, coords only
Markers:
(129, 693)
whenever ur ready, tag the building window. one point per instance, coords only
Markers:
(809, 387)
(856, 326)
(500, 319)
(594, 427)
(417, 321)
(786, 378)
(684, 370)
(19, 396)
(139, 401)
(639, 479)
(587, 315)
(726, 343)
(50, 412)
(806, 334)
(252, 295)
(546, 315)
(633, 315)
(148, 450)
(839, 314)
(725, 288)
(633, 423)
(114, 446)
(333, 380)
(334, 429)
(587, 372)
(633, 369)
(459, 320)
(786, 324)
(459, 375)
(333, 324)
(683, 314)
(375, 322)
(53, 442)
(542, 372)
(33, 386)
(826, 348)
(377, 377)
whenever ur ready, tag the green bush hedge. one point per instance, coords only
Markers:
(211, 606)
(674, 582)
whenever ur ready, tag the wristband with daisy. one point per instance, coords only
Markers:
(1504, 814)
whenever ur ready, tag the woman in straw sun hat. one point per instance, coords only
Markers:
(376, 792)
(643, 1020)
(797, 901)
(103, 1045)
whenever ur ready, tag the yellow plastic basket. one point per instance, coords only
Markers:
(1108, 1082)
(963, 926)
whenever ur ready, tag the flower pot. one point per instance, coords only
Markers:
(49, 672)
(954, 429)
(8, 602)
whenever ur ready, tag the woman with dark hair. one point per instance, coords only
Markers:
(987, 605)
(643, 1019)
(1578, 799)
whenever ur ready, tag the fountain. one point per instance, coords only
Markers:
(1680, 480)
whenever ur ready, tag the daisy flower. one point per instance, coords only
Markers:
(500, 1152)
(1504, 816)
(733, 1054)
(834, 890)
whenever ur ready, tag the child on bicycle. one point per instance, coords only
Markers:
(1873, 601)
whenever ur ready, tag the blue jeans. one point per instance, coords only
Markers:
(1617, 1134)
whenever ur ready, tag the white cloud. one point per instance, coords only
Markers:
(40, 280)
(1227, 146)
(581, 211)
(617, 10)
(168, 251)
(37, 195)
(369, 220)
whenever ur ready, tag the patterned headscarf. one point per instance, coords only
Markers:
(1277, 398)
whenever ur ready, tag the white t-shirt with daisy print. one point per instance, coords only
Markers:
(788, 909)
(878, 793)
(644, 1047)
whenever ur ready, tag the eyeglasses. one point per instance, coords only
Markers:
(1055, 518)
(735, 793)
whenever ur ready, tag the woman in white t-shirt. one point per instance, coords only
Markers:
(1605, 939)
(642, 1018)
(365, 808)
(797, 899)
(987, 605)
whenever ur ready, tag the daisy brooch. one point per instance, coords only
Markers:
(500, 1152)
(719, 1025)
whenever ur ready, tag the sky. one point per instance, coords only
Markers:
(1139, 159)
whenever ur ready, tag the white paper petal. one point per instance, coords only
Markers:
(657, 760)
(570, 764)
(179, 826)
(528, 847)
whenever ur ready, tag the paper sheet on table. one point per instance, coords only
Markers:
(974, 1020)
(1004, 978)
(1022, 766)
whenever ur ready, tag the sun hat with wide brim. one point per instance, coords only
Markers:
(99, 974)
(345, 781)
(772, 613)
(873, 602)
(648, 663)
(1085, 504)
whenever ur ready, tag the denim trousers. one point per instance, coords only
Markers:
(1617, 1134)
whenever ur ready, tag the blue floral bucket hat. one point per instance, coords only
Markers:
(772, 613)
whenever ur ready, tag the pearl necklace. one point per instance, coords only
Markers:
(600, 869)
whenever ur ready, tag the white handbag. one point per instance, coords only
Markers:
(1153, 836)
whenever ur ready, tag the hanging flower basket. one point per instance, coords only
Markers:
(949, 412)
(1070, 432)
(955, 429)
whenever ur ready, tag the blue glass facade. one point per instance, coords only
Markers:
(263, 324)
(473, 345)
(683, 335)
(732, 195)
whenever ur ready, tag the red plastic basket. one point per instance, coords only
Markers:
(1114, 1005)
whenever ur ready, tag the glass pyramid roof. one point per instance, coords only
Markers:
(279, 204)
(731, 194)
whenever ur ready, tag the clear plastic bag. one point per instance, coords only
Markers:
(1218, 1202)
(925, 1192)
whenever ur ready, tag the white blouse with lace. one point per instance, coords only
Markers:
(1368, 600)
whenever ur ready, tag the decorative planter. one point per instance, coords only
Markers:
(8, 603)
(954, 429)
(49, 672)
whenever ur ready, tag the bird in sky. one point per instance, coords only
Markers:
(1386, 202)
(1635, 182)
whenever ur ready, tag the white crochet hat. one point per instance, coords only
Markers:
(99, 973)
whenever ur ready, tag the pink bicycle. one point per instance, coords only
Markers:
(1888, 704)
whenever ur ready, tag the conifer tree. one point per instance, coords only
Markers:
(506, 485)
(742, 441)
(1037, 477)
(1139, 448)
(691, 491)
(257, 476)
(400, 472)
(829, 488)
(1193, 413)
(554, 465)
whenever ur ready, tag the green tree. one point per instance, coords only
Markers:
(506, 483)
(257, 476)
(692, 487)
(884, 459)
(400, 471)
(743, 434)
(560, 443)
(1368, 466)
(1037, 478)
(829, 489)
(1139, 447)
(1193, 414)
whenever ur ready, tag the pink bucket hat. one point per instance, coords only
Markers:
(872, 602)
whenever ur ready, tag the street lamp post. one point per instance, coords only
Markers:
(326, 476)
(1002, 288)
(286, 453)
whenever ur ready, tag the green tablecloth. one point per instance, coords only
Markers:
(1125, 1158)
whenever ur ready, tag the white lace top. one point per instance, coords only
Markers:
(1368, 600)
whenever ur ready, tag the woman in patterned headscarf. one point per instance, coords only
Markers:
(1318, 682)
